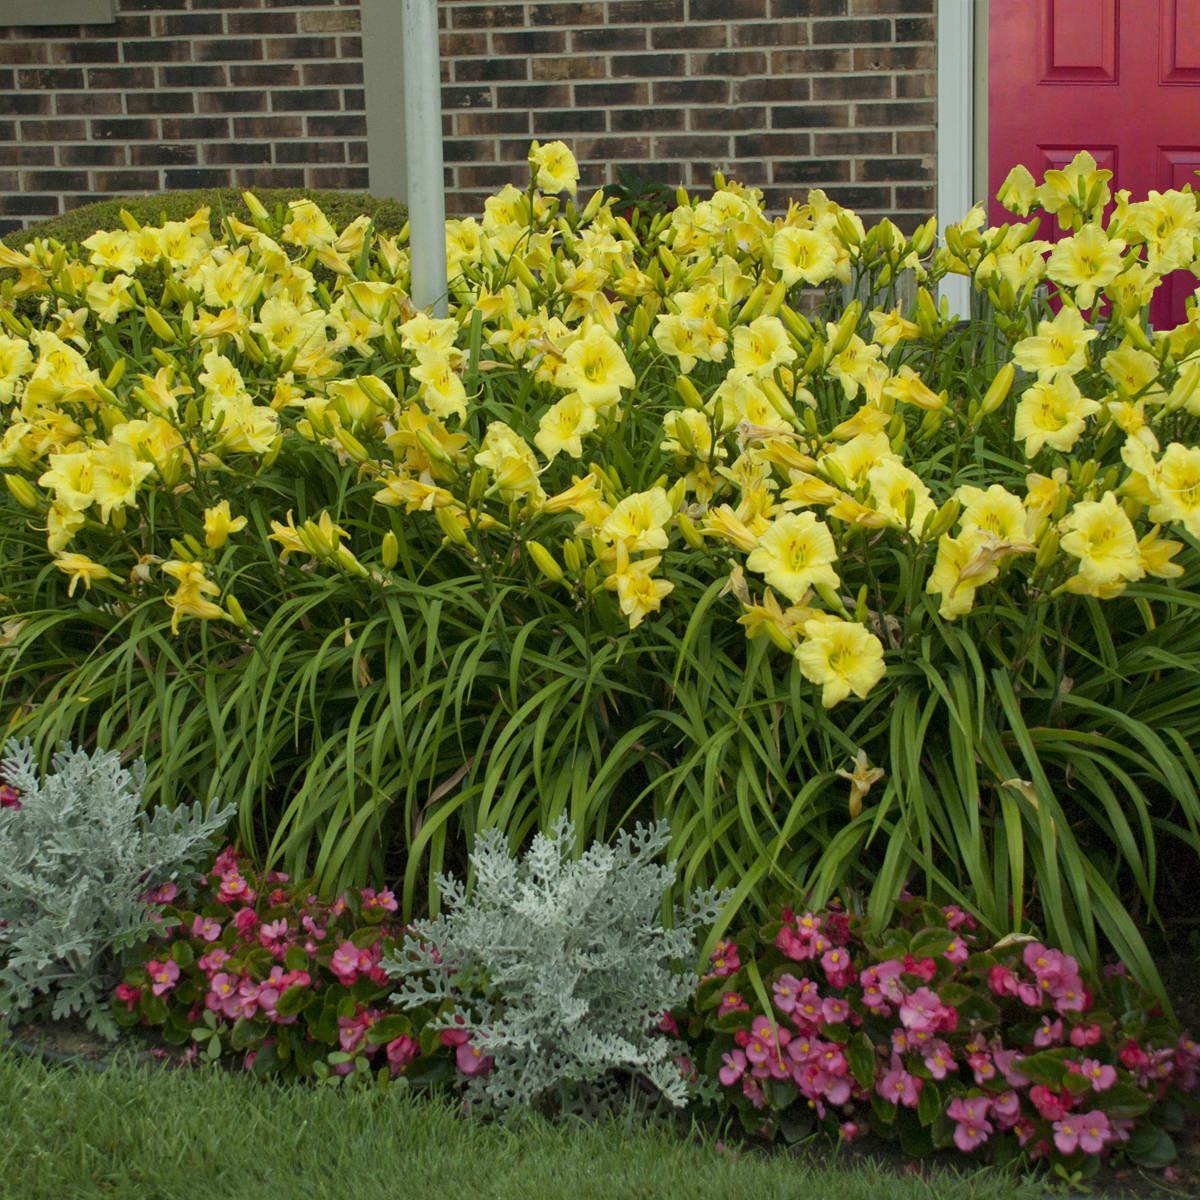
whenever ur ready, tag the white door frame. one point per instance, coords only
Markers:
(961, 120)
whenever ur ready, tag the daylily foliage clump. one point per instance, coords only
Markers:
(677, 516)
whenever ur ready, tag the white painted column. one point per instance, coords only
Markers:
(420, 68)
(955, 129)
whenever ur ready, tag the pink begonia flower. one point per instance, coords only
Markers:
(956, 916)
(400, 1052)
(347, 962)
(667, 1024)
(209, 962)
(1089, 1132)
(1132, 1055)
(206, 929)
(956, 952)
(234, 887)
(732, 1002)
(982, 1067)
(753, 1091)
(835, 1088)
(1100, 1075)
(848, 1131)
(922, 968)
(765, 1048)
(923, 1011)
(1007, 1061)
(383, 899)
(163, 976)
(899, 1087)
(839, 970)
(881, 987)
(1001, 981)
(246, 1002)
(1086, 1035)
(352, 1030)
(1049, 1033)
(785, 991)
(225, 861)
(338, 907)
(733, 1067)
(938, 1058)
(971, 1124)
(222, 993)
(835, 1010)
(244, 921)
(809, 1010)
(163, 894)
(1187, 1059)
(317, 931)
(1006, 1109)
(471, 1059)
(10, 797)
(724, 960)
(833, 1060)
(1050, 1105)
(804, 941)
(270, 933)
(130, 995)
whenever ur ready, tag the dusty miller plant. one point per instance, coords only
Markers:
(76, 858)
(560, 968)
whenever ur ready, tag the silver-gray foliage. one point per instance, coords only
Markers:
(75, 862)
(559, 967)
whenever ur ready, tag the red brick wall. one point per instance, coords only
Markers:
(181, 94)
(785, 95)
(781, 94)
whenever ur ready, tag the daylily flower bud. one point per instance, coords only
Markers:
(592, 207)
(352, 446)
(160, 325)
(1047, 550)
(687, 392)
(774, 299)
(998, 390)
(257, 212)
(941, 521)
(22, 490)
(234, 608)
(797, 324)
(750, 307)
(448, 522)
(639, 328)
(690, 533)
(545, 562)
(846, 327)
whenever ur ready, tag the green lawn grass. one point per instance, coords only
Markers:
(208, 1134)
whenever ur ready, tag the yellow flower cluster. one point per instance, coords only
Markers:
(800, 437)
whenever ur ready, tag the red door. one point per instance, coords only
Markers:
(1118, 78)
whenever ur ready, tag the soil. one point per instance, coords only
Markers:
(71, 1041)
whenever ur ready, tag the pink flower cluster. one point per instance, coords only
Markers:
(270, 960)
(860, 1033)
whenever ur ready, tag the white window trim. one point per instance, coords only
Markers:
(58, 12)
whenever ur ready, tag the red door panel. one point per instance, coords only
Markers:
(1119, 78)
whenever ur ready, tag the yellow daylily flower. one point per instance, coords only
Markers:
(81, 569)
(841, 657)
(219, 524)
